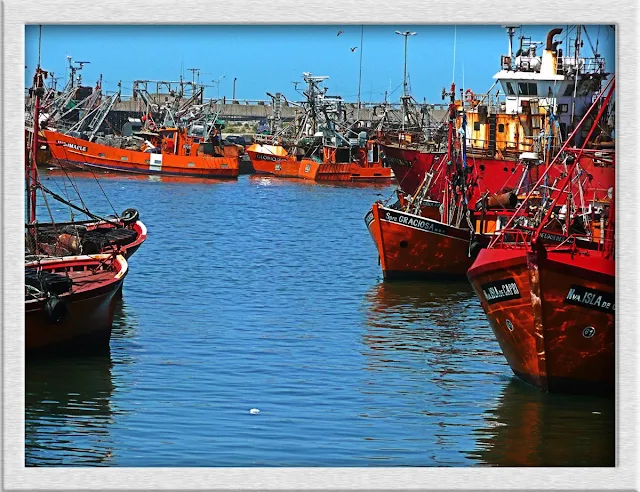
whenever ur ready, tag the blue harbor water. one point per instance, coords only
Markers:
(266, 294)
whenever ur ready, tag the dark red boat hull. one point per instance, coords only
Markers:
(88, 317)
(552, 314)
(494, 175)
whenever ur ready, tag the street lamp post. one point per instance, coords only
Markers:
(360, 73)
(406, 35)
(234, 88)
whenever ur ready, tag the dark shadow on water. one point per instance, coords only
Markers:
(532, 428)
(68, 411)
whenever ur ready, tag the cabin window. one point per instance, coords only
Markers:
(583, 88)
(146, 161)
(100, 154)
(510, 91)
(563, 108)
(123, 158)
(501, 128)
(528, 88)
(476, 126)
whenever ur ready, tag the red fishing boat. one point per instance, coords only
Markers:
(552, 307)
(539, 97)
(436, 233)
(70, 302)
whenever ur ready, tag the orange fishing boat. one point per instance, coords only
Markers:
(552, 307)
(169, 151)
(276, 160)
(361, 161)
(319, 145)
(70, 302)
(412, 246)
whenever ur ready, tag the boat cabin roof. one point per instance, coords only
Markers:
(511, 75)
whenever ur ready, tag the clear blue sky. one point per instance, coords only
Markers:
(269, 58)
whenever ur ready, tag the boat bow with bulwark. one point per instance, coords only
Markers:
(552, 307)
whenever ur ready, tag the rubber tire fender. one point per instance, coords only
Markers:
(129, 216)
(55, 309)
(474, 249)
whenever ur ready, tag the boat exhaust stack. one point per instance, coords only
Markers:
(550, 55)
(551, 46)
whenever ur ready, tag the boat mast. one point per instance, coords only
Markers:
(360, 73)
(452, 117)
(576, 53)
(32, 170)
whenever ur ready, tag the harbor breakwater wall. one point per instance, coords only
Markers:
(256, 110)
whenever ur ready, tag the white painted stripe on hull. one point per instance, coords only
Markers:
(155, 162)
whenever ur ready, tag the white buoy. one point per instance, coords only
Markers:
(254, 411)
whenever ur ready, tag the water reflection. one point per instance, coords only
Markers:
(68, 411)
(269, 180)
(401, 314)
(532, 428)
(430, 355)
(57, 173)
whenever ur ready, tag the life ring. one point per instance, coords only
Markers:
(56, 309)
(469, 96)
(129, 216)
(152, 126)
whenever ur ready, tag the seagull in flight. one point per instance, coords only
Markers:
(340, 32)
(354, 48)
